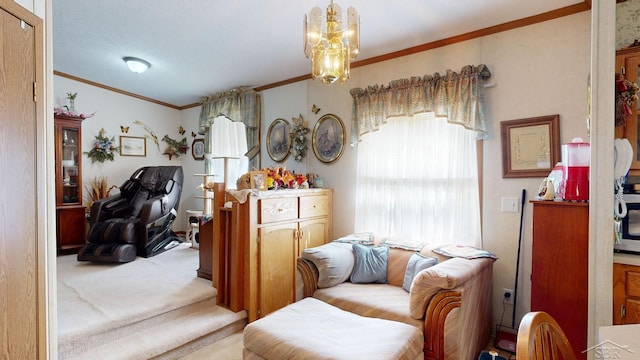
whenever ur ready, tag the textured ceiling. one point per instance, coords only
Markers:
(201, 47)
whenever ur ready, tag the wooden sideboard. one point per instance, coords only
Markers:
(257, 238)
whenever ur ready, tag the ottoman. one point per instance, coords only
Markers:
(313, 329)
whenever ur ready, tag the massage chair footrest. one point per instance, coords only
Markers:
(119, 253)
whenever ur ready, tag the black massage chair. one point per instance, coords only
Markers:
(138, 220)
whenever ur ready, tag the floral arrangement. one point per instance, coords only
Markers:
(65, 111)
(626, 94)
(98, 189)
(103, 148)
(175, 147)
(70, 110)
(281, 178)
(299, 134)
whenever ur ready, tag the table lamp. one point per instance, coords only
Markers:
(225, 139)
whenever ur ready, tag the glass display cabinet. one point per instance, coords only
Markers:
(71, 223)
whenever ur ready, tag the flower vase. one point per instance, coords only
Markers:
(72, 106)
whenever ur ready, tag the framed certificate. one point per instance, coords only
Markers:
(530, 147)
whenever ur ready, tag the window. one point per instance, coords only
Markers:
(417, 179)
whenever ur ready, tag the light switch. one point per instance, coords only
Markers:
(509, 204)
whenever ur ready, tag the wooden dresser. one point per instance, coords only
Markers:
(259, 236)
(559, 267)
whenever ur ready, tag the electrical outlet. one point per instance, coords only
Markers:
(507, 296)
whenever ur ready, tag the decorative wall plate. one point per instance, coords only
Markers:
(279, 140)
(328, 138)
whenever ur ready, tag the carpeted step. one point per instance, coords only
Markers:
(71, 345)
(172, 339)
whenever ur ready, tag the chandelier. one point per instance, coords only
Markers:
(331, 48)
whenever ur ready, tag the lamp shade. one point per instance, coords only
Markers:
(227, 139)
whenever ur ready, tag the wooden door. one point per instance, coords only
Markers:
(277, 254)
(313, 233)
(19, 252)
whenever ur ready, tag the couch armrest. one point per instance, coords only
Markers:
(458, 309)
(434, 324)
(309, 276)
(446, 275)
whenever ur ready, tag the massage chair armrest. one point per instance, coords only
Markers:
(109, 207)
(154, 208)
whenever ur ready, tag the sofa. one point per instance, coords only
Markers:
(450, 301)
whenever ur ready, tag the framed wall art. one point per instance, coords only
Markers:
(197, 149)
(328, 138)
(133, 146)
(530, 147)
(258, 180)
(279, 140)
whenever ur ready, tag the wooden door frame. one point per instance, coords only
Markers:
(45, 271)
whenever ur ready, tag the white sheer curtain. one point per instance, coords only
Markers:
(417, 180)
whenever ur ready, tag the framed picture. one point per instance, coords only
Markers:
(258, 180)
(279, 140)
(530, 147)
(133, 146)
(197, 149)
(328, 138)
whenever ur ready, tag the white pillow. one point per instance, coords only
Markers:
(334, 261)
(363, 238)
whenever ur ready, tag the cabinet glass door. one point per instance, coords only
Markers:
(69, 164)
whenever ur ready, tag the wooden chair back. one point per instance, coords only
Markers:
(541, 338)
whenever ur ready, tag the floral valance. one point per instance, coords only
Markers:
(240, 104)
(454, 96)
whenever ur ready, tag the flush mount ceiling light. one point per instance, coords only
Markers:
(331, 48)
(136, 65)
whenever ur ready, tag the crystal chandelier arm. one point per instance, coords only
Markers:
(353, 23)
(312, 30)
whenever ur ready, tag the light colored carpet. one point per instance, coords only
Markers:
(95, 298)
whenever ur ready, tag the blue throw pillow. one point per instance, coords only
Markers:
(417, 263)
(370, 264)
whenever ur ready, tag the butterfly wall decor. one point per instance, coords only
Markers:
(193, 134)
(315, 109)
(124, 129)
(181, 130)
